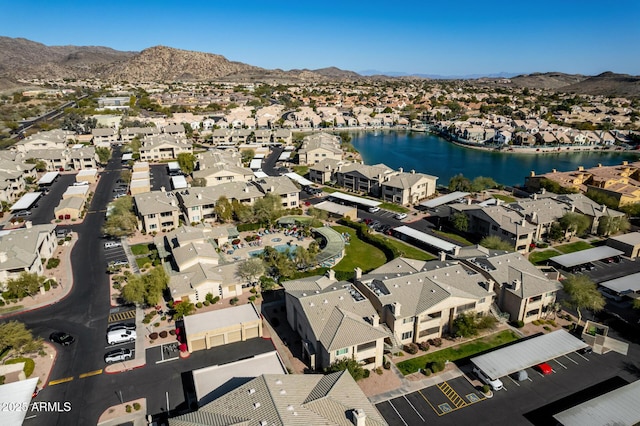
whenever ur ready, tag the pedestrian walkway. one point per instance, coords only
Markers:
(130, 257)
(117, 414)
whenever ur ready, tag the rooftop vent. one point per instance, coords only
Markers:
(256, 405)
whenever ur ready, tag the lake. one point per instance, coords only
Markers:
(433, 155)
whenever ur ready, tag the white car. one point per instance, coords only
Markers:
(374, 209)
(401, 216)
(118, 355)
(120, 336)
(496, 384)
(112, 244)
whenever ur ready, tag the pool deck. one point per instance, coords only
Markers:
(272, 239)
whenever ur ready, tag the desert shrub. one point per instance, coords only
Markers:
(435, 366)
(47, 285)
(379, 371)
(172, 332)
(128, 408)
(53, 263)
(2, 303)
(427, 372)
(252, 298)
(137, 406)
(485, 389)
(234, 300)
(517, 324)
(199, 305)
(206, 303)
(215, 300)
(156, 324)
(424, 346)
(535, 322)
(153, 336)
(547, 328)
(367, 373)
(163, 333)
(411, 348)
(116, 286)
(437, 342)
(387, 365)
(552, 323)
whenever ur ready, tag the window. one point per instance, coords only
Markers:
(342, 351)
(466, 307)
(152, 216)
(535, 298)
(365, 346)
(429, 331)
(408, 320)
(153, 226)
(532, 313)
(407, 335)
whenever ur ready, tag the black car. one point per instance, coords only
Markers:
(61, 338)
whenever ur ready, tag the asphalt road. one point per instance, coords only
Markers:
(44, 212)
(160, 177)
(269, 163)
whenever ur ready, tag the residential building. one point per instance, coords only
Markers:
(420, 300)
(128, 133)
(318, 147)
(324, 171)
(197, 203)
(163, 147)
(26, 250)
(157, 211)
(358, 177)
(217, 167)
(282, 186)
(408, 188)
(53, 139)
(104, 135)
(334, 321)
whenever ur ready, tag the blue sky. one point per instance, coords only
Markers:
(429, 37)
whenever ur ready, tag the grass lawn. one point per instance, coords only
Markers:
(329, 190)
(538, 257)
(301, 170)
(139, 249)
(359, 253)
(505, 198)
(457, 352)
(10, 309)
(409, 251)
(29, 365)
(394, 208)
(454, 237)
(573, 247)
(141, 261)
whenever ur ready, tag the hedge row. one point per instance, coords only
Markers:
(248, 227)
(363, 233)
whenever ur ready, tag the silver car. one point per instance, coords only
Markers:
(118, 355)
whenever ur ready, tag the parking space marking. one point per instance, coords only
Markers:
(90, 373)
(394, 409)
(561, 364)
(573, 361)
(514, 382)
(582, 356)
(121, 316)
(430, 405)
(58, 381)
(451, 394)
(414, 408)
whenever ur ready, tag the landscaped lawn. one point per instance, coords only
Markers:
(505, 198)
(301, 170)
(358, 253)
(409, 251)
(573, 247)
(393, 208)
(457, 352)
(140, 249)
(329, 190)
(538, 257)
(141, 261)
(455, 237)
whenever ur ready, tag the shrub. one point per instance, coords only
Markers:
(552, 323)
(379, 371)
(517, 324)
(2, 302)
(411, 348)
(163, 334)
(485, 389)
(367, 373)
(437, 342)
(53, 263)
(535, 322)
(427, 372)
(137, 406)
(47, 285)
(252, 298)
(400, 353)
(215, 300)
(128, 408)
(116, 286)
(234, 300)
(172, 332)
(253, 290)
(156, 324)
(424, 346)
(163, 318)
(206, 303)
(199, 305)
(153, 336)
(547, 328)
(387, 365)
(146, 321)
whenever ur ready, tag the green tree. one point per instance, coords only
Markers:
(247, 155)
(555, 232)
(481, 183)
(121, 221)
(26, 284)
(41, 166)
(494, 242)
(199, 182)
(104, 154)
(135, 145)
(187, 162)
(268, 208)
(15, 335)
(465, 324)
(155, 282)
(241, 212)
(460, 221)
(612, 225)
(134, 291)
(574, 223)
(582, 294)
(223, 209)
(250, 270)
(349, 364)
(182, 309)
(125, 176)
(459, 183)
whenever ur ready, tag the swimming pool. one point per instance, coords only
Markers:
(281, 248)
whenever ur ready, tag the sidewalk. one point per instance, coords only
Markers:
(117, 414)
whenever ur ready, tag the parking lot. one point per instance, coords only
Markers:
(115, 255)
(533, 400)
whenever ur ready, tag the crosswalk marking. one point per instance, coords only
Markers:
(121, 316)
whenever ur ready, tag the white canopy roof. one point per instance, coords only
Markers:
(357, 200)
(426, 238)
(301, 180)
(48, 178)
(178, 182)
(623, 285)
(586, 256)
(528, 353)
(444, 199)
(26, 201)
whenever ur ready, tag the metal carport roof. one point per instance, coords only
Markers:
(354, 199)
(426, 238)
(444, 199)
(618, 407)
(48, 178)
(624, 285)
(26, 201)
(528, 353)
(585, 256)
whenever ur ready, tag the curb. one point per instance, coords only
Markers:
(124, 370)
(53, 362)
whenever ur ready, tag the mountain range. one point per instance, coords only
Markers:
(25, 59)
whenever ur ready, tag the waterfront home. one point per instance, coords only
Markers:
(318, 147)
(358, 177)
(334, 321)
(325, 170)
(408, 188)
(198, 203)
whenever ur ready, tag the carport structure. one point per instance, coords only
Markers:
(528, 353)
(573, 260)
(356, 200)
(426, 239)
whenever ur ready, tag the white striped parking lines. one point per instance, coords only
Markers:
(573, 361)
(514, 382)
(561, 364)
(414, 408)
(582, 356)
(394, 409)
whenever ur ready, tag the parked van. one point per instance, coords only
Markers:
(121, 336)
(496, 384)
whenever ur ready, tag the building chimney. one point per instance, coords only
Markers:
(199, 196)
(162, 189)
(443, 256)
(469, 201)
(543, 191)
(516, 284)
(396, 308)
(357, 273)
(625, 163)
(573, 208)
(358, 417)
(3, 256)
(533, 173)
(401, 170)
(599, 164)
(535, 196)
(413, 172)
(271, 188)
(331, 274)
(375, 320)
(490, 284)
(604, 209)
(172, 202)
(554, 171)
(581, 168)
(534, 216)
(456, 250)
